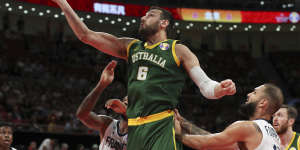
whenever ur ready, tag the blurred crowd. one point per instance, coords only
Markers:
(287, 65)
(44, 79)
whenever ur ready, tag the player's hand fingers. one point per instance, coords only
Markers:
(226, 83)
(111, 65)
(230, 90)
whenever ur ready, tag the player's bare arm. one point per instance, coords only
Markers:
(240, 131)
(183, 126)
(84, 112)
(104, 42)
(186, 126)
(209, 88)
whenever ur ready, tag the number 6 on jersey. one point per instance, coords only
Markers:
(142, 73)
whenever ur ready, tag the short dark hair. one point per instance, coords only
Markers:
(291, 111)
(165, 15)
(275, 97)
(6, 124)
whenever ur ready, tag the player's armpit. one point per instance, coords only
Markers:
(97, 122)
(108, 43)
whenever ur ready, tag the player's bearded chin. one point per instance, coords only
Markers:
(145, 32)
(247, 110)
(282, 129)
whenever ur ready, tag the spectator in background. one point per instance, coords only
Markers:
(47, 144)
(80, 147)
(64, 146)
(52, 123)
(94, 147)
(6, 136)
(32, 146)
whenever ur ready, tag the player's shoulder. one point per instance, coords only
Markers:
(13, 148)
(180, 43)
(244, 125)
(181, 47)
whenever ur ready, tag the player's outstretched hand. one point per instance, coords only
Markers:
(56, 1)
(107, 75)
(226, 87)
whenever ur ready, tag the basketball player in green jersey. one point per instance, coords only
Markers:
(283, 122)
(156, 76)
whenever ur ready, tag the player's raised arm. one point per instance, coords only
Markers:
(84, 112)
(209, 88)
(104, 42)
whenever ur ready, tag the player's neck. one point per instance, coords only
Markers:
(123, 126)
(4, 148)
(158, 37)
(258, 115)
(286, 137)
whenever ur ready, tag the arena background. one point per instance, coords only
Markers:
(45, 71)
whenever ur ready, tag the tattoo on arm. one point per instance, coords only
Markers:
(257, 128)
(190, 128)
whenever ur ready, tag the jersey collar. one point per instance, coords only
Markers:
(154, 45)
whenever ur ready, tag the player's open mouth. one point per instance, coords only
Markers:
(6, 141)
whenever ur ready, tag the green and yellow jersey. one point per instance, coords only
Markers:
(155, 78)
(294, 143)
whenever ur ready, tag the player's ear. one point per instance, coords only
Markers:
(263, 102)
(164, 23)
(291, 121)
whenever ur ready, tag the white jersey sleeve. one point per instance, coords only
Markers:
(270, 139)
(113, 139)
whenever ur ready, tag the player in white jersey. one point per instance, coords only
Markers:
(113, 133)
(255, 134)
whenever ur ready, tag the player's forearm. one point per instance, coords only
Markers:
(192, 141)
(89, 102)
(205, 84)
(78, 27)
(190, 128)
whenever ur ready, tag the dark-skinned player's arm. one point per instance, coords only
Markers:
(84, 111)
(102, 41)
(209, 88)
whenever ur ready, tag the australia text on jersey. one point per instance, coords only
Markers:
(149, 57)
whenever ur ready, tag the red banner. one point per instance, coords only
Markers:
(202, 15)
(269, 17)
(107, 7)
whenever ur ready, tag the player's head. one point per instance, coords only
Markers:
(6, 135)
(267, 97)
(284, 119)
(156, 19)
